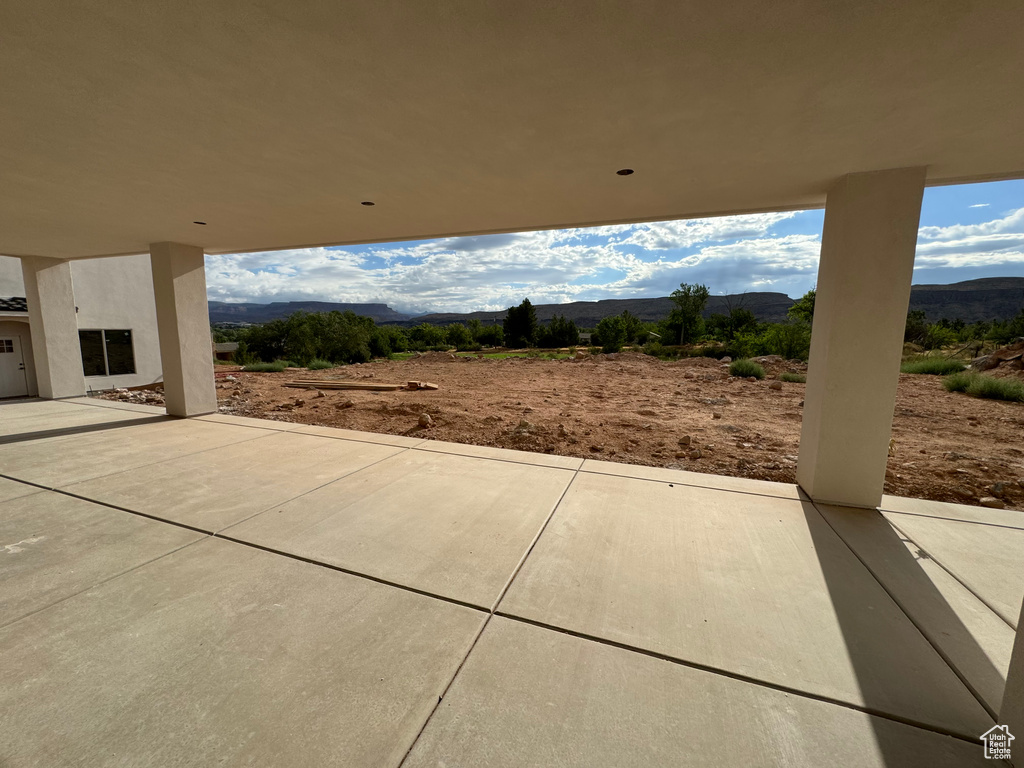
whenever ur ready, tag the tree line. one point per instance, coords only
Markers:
(344, 337)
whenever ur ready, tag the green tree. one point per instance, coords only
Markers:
(558, 333)
(458, 336)
(611, 334)
(686, 318)
(917, 326)
(426, 336)
(520, 325)
(491, 336)
(803, 308)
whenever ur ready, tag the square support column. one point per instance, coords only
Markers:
(52, 317)
(183, 324)
(864, 276)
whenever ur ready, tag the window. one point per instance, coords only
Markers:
(6, 345)
(107, 353)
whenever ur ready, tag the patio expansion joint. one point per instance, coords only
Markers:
(953, 575)
(801, 498)
(955, 519)
(490, 615)
(899, 604)
(103, 581)
(135, 469)
(311, 490)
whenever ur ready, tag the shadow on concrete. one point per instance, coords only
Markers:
(22, 437)
(916, 596)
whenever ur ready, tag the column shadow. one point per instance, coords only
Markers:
(882, 551)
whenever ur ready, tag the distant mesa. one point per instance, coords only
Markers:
(988, 298)
(226, 312)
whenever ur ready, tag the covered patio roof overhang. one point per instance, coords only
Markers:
(231, 127)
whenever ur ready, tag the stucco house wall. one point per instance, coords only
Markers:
(111, 294)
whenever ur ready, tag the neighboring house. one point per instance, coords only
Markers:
(118, 336)
(225, 350)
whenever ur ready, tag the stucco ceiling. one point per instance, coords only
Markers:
(123, 122)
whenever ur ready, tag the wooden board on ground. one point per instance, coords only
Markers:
(373, 386)
(367, 385)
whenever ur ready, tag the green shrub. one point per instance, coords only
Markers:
(275, 367)
(316, 364)
(288, 363)
(936, 366)
(992, 388)
(958, 382)
(746, 368)
(793, 378)
(989, 387)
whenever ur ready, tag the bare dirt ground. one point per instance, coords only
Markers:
(636, 409)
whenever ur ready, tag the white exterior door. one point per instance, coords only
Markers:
(13, 381)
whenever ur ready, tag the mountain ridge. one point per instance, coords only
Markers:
(986, 298)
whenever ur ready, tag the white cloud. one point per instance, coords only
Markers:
(729, 254)
(979, 205)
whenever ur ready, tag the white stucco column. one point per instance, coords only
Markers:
(1011, 712)
(51, 315)
(867, 260)
(183, 324)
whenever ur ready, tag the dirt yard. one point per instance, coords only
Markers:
(635, 409)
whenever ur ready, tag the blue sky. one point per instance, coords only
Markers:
(967, 231)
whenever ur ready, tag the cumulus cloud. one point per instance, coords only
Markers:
(730, 254)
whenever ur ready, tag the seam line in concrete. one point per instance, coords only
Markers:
(101, 582)
(899, 604)
(420, 447)
(743, 678)
(490, 614)
(953, 575)
(350, 572)
(798, 499)
(956, 519)
(398, 452)
(135, 469)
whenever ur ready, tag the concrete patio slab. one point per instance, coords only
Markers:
(12, 489)
(753, 585)
(15, 409)
(214, 489)
(447, 525)
(529, 696)
(40, 425)
(1009, 517)
(117, 405)
(987, 559)
(245, 421)
(53, 546)
(367, 437)
(501, 454)
(220, 654)
(67, 459)
(971, 637)
(697, 479)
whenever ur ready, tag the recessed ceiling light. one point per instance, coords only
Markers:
(201, 223)
(625, 172)
(367, 202)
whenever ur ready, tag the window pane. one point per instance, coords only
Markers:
(92, 352)
(120, 354)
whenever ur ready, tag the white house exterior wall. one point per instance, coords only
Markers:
(110, 293)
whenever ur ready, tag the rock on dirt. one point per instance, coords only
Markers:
(425, 421)
(991, 501)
